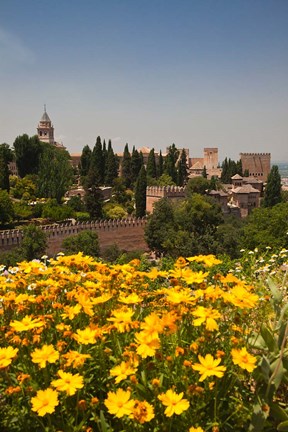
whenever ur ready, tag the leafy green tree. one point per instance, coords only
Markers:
(160, 227)
(34, 242)
(22, 210)
(165, 180)
(229, 236)
(85, 161)
(76, 203)
(126, 167)
(197, 185)
(56, 212)
(112, 166)
(151, 165)
(119, 192)
(6, 156)
(27, 153)
(55, 173)
(140, 193)
(272, 192)
(86, 242)
(95, 176)
(24, 187)
(114, 211)
(93, 202)
(6, 208)
(266, 227)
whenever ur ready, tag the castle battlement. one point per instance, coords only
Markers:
(165, 191)
(255, 154)
(110, 231)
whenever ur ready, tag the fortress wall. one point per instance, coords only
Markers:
(128, 234)
(155, 193)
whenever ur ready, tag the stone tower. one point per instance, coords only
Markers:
(257, 164)
(45, 129)
(210, 158)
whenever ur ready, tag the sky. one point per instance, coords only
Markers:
(197, 73)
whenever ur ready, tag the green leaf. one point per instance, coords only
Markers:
(278, 412)
(265, 368)
(276, 293)
(282, 333)
(283, 426)
(258, 419)
(268, 338)
(103, 422)
(277, 379)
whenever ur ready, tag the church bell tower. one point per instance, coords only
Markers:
(45, 129)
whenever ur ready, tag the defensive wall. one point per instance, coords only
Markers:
(128, 234)
(155, 193)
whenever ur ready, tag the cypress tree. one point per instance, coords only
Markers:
(160, 165)
(170, 162)
(95, 175)
(140, 193)
(151, 165)
(272, 193)
(85, 161)
(6, 156)
(126, 167)
(182, 171)
(136, 163)
(111, 166)
(204, 172)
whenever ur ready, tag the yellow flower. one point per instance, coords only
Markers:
(176, 296)
(191, 277)
(174, 402)
(143, 412)
(45, 354)
(68, 382)
(130, 299)
(147, 346)
(152, 325)
(243, 359)
(45, 402)
(241, 297)
(71, 311)
(6, 356)
(27, 323)
(122, 319)
(208, 366)
(119, 403)
(75, 359)
(122, 371)
(207, 315)
(87, 336)
(196, 429)
(207, 260)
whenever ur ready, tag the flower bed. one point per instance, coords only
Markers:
(87, 346)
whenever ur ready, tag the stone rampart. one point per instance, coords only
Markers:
(128, 234)
(155, 193)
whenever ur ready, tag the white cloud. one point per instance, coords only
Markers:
(13, 51)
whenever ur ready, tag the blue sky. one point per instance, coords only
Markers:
(197, 73)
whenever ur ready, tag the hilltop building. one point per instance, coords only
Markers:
(45, 130)
(258, 165)
(209, 161)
